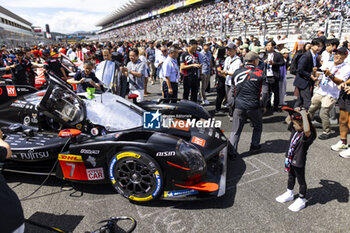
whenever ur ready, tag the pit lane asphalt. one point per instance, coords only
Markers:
(253, 182)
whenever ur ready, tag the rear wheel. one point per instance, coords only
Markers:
(137, 176)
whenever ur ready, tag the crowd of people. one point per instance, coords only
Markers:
(206, 18)
(249, 80)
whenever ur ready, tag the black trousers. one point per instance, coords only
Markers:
(191, 83)
(221, 93)
(275, 89)
(297, 173)
(304, 98)
(174, 86)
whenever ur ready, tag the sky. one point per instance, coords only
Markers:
(64, 16)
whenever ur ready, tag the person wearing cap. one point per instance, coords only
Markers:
(191, 69)
(21, 69)
(232, 63)
(171, 74)
(274, 60)
(249, 84)
(327, 93)
(305, 77)
(340, 71)
(303, 133)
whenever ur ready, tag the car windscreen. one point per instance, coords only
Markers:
(114, 112)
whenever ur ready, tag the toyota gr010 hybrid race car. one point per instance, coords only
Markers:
(103, 141)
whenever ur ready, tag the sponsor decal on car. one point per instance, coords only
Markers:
(199, 141)
(95, 174)
(79, 126)
(180, 193)
(140, 198)
(11, 91)
(34, 118)
(32, 155)
(73, 167)
(165, 153)
(128, 154)
(72, 158)
(91, 160)
(159, 183)
(111, 167)
(18, 104)
(26, 120)
(94, 131)
(90, 152)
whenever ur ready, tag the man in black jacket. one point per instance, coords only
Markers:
(274, 60)
(305, 77)
(249, 82)
(11, 212)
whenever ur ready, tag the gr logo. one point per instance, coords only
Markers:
(152, 120)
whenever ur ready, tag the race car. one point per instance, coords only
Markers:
(107, 140)
(40, 80)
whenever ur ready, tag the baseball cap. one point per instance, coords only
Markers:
(231, 46)
(341, 50)
(251, 56)
(292, 113)
(244, 46)
(283, 51)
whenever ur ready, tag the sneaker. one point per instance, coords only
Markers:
(345, 154)
(226, 106)
(231, 118)
(324, 136)
(339, 146)
(285, 197)
(298, 205)
(206, 102)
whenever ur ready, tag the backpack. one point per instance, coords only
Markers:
(294, 63)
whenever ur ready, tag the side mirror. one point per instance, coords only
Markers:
(69, 133)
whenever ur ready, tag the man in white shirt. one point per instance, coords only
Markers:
(171, 75)
(232, 63)
(343, 69)
(327, 94)
(160, 58)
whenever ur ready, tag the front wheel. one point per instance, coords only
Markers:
(137, 176)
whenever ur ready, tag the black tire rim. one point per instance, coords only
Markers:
(135, 177)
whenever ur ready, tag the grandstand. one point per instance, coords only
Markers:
(14, 30)
(151, 19)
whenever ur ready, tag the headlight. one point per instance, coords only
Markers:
(192, 156)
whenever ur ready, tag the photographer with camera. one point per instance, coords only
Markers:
(327, 93)
(11, 212)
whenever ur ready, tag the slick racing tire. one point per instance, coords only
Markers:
(136, 176)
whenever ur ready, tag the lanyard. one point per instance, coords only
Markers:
(293, 143)
(175, 67)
